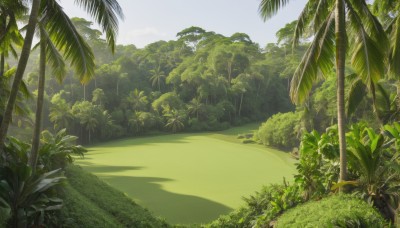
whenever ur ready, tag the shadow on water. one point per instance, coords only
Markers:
(127, 142)
(176, 208)
(88, 166)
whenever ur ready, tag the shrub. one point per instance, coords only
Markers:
(334, 211)
(281, 130)
(4, 216)
(28, 196)
(247, 141)
(261, 208)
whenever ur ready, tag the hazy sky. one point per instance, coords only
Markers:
(147, 21)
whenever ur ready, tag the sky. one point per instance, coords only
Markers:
(147, 21)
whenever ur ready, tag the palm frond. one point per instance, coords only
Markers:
(357, 93)
(106, 13)
(53, 57)
(269, 8)
(317, 57)
(370, 22)
(65, 37)
(302, 22)
(11, 35)
(368, 58)
(394, 52)
(13, 52)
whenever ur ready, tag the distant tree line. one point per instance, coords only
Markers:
(202, 81)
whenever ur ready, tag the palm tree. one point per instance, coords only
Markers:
(328, 19)
(195, 107)
(105, 14)
(26, 48)
(136, 122)
(10, 10)
(376, 165)
(137, 100)
(58, 32)
(175, 120)
(157, 77)
(60, 113)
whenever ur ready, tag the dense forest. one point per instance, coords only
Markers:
(202, 81)
(327, 92)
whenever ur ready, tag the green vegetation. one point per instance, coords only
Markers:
(225, 170)
(281, 130)
(202, 81)
(262, 208)
(333, 211)
(89, 202)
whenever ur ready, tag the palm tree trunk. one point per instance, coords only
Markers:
(240, 104)
(39, 106)
(2, 63)
(117, 86)
(26, 49)
(84, 92)
(340, 31)
(229, 68)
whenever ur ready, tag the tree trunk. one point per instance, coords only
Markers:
(2, 64)
(39, 106)
(2, 61)
(26, 49)
(240, 105)
(84, 92)
(229, 68)
(117, 86)
(340, 31)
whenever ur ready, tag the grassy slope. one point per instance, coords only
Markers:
(89, 202)
(188, 178)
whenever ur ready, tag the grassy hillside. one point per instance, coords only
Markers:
(188, 178)
(89, 202)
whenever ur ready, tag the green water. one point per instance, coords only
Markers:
(188, 178)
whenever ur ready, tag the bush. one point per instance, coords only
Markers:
(196, 125)
(281, 130)
(334, 211)
(247, 141)
(4, 216)
(261, 208)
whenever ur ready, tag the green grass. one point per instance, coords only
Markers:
(188, 178)
(334, 211)
(89, 202)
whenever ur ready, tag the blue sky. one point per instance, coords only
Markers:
(147, 21)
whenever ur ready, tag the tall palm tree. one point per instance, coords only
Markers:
(58, 32)
(363, 34)
(26, 48)
(105, 14)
